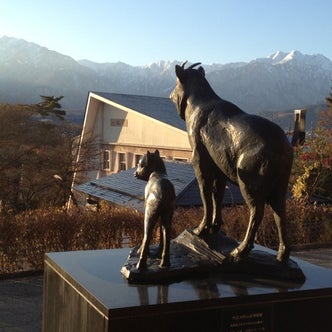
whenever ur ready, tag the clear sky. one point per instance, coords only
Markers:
(139, 32)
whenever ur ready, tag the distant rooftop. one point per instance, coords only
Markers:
(158, 108)
(124, 189)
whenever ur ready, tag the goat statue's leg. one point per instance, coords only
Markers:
(217, 199)
(204, 176)
(279, 214)
(205, 187)
(256, 216)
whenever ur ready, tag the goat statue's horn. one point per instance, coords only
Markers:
(183, 64)
(194, 65)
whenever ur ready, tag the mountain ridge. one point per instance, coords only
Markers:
(280, 81)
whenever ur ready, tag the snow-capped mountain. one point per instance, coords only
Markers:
(297, 58)
(277, 82)
(281, 81)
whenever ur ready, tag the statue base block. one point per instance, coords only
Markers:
(85, 291)
(191, 255)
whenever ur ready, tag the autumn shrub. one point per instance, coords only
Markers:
(48, 230)
(306, 223)
(26, 237)
(185, 219)
(111, 227)
(11, 234)
(309, 223)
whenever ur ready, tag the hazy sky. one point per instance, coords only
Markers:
(139, 32)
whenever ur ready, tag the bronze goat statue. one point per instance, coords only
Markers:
(228, 143)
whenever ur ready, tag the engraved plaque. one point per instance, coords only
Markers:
(254, 319)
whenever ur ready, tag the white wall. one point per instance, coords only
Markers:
(141, 130)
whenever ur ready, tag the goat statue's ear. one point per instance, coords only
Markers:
(157, 153)
(201, 70)
(179, 71)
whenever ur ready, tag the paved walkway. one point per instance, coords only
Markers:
(321, 257)
(21, 304)
(21, 299)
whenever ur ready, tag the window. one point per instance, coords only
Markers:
(122, 162)
(184, 160)
(119, 123)
(106, 159)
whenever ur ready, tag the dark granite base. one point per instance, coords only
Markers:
(84, 291)
(192, 255)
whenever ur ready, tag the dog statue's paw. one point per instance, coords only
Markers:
(164, 264)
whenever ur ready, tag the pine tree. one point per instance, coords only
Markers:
(50, 105)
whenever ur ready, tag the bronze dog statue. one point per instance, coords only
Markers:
(228, 143)
(159, 203)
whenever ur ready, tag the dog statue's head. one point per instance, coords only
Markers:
(150, 162)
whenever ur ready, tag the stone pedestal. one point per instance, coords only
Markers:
(192, 255)
(85, 291)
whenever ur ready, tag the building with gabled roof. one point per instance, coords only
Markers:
(158, 108)
(123, 128)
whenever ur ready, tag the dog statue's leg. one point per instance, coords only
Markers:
(161, 242)
(150, 220)
(166, 238)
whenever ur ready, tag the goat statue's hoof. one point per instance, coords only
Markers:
(216, 227)
(238, 254)
(141, 265)
(234, 256)
(283, 254)
(201, 231)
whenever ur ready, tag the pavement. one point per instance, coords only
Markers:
(21, 298)
(21, 304)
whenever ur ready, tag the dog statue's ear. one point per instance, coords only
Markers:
(157, 153)
(148, 156)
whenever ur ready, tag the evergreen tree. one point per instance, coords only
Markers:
(50, 105)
